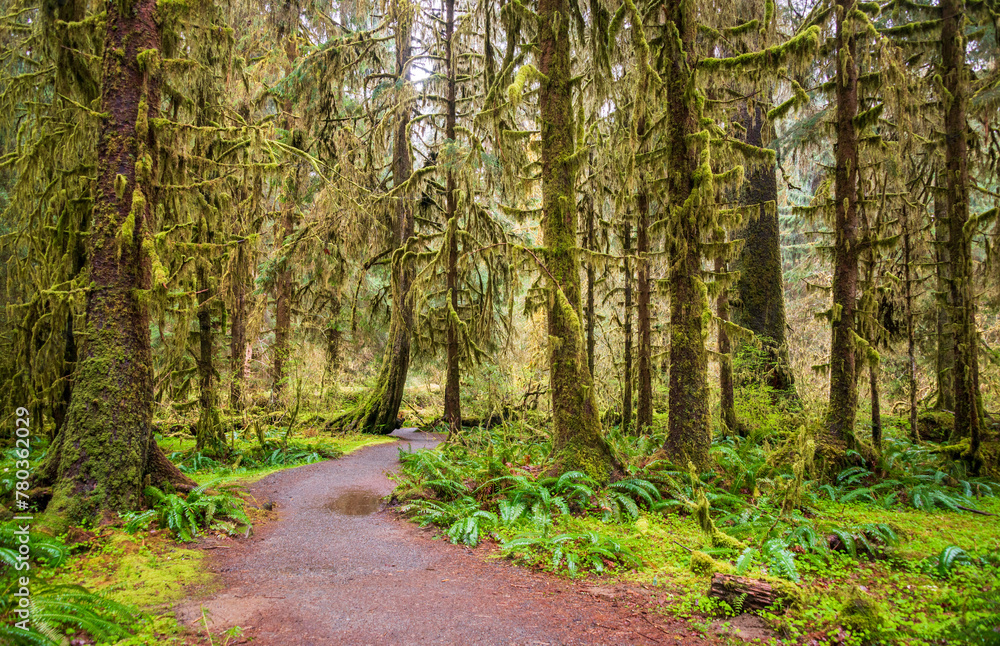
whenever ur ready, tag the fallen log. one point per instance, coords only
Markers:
(741, 593)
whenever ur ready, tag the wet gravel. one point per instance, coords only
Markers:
(334, 568)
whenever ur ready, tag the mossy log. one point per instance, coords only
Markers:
(742, 593)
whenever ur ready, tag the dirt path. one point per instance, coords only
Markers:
(334, 570)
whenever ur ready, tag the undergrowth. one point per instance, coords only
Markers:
(866, 532)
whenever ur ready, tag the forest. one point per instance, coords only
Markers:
(690, 307)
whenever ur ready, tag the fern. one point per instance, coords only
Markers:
(780, 560)
(185, 516)
(948, 558)
(744, 561)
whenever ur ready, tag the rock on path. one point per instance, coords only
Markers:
(334, 570)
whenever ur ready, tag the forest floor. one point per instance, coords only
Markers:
(333, 567)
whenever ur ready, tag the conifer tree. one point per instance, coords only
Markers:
(577, 440)
(107, 450)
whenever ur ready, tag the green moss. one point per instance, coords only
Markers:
(936, 425)
(862, 615)
(703, 564)
(146, 571)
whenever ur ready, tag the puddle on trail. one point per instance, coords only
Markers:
(354, 502)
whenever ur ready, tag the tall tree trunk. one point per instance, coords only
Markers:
(759, 287)
(911, 357)
(627, 380)
(107, 446)
(284, 278)
(840, 417)
(577, 441)
(727, 398)
(208, 434)
(379, 412)
(644, 413)
(689, 434)
(334, 336)
(956, 84)
(238, 343)
(452, 390)
(946, 303)
(591, 312)
(283, 293)
(876, 407)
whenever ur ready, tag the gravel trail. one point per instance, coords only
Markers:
(333, 569)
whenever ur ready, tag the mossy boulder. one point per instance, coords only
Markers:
(935, 425)
(705, 565)
(862, 615)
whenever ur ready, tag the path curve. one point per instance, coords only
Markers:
(318, 576)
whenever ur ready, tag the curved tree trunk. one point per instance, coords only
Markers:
(107, 446)
(380, 411)
(577, 442)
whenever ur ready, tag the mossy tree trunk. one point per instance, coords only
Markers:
(577, 441)
(689, 434)
(239, 345)
(945, 359)
(591, 279)
(760, 298)
(911, 357)
(380, 410)
(283, 292)
(284, 280)
(107, 448)
(955, 76)
(843, 401)
(452, 389)
(727, 396)
(208, 436)
(627, 380)
(644, 412)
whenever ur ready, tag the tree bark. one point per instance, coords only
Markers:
(452, 389)
(843, 402)
(741, 592)
(627, 378)
(644, 413)
(284, 278)
(911, 357)
(591, 312)
(207, 435)
(727, 398)
(966, 373)
(577, 441)
(238, 344)
(876, 408)
(945, 338)
(760, 298)
(107, 445)
(689, 433)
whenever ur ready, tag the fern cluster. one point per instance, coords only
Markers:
(54, 607)
(184, 516)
